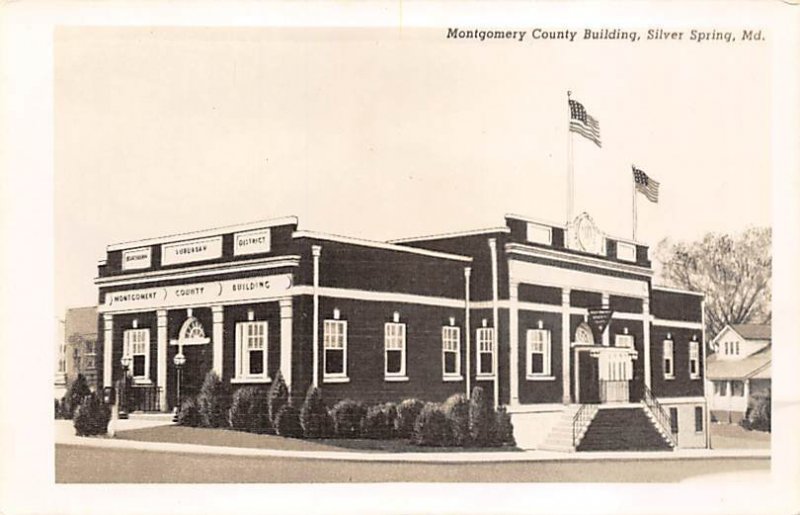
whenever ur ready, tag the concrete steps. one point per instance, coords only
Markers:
(560, 438)
(624, 429)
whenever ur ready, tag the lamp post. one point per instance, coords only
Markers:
(123, 397)
(179, 360)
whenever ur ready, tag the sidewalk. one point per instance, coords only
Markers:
(65, 435)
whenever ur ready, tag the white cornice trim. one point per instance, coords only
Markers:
(202, 270)
(680, 324)
(262, 224)
(525, 250)
(677, 290)
(380, 245)
(378, 296)
(457, 234)
(682, 400)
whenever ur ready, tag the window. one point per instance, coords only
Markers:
(669, 371)
(136, 344)
(721, 388)
(90, 355)
(624, 341)
(485, 351)
(694, 360)
(451, 351)
(251, 350)
(335, 344)
(76, 358)
(727, 348)
(538, 344)
(698, 419)
(737, 388)
(736, 349)
(673, 420)
(394, 339)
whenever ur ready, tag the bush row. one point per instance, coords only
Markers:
(456, 422)
(89, 415)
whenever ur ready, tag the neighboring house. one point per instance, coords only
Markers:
(509, 308)
(739, 369)
(80, 345)
(60, 379)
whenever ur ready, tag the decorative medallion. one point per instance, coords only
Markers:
(584, 235)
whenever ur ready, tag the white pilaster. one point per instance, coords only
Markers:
(467, 330)
(286, 340)
(108, 348)
(161, 357)
(496, 350)
(217, 319)
(648, 379)
(513, 340)
(316, 250)
(606, 303)
(565, 340)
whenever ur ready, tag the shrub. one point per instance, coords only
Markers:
(456, 409)
(91, 417)
(481, 418)
(249, 410)
(407, 413)
(503, 433)
(288, 422)
(347, 416)
(314, 417)
(189, 414)
(432, 427)
(759, 416)
(213, 401)
(378, 421)
(278, 398)
(78, 389)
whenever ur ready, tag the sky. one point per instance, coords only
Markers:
(386, 133)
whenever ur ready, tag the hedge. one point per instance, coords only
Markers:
(189, 414)
(378, 423)
(456, 409)
(314, 417)
(407, 413)
(287, 422)
(278, 397)
(213, 401)
(91, 417)
(432, 427)
(347, 416)
(250, 410)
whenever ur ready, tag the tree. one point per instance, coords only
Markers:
(734, 272)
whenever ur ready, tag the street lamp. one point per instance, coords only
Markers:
(123, 397)
(179, 360)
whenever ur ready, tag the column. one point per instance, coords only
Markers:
(467, 330)
(565, 340)
(161, 376)
(646, 346)
(495, 325)
(606, 303)
(316, 250)
(513, 340)
(217, 331)
(286, 340)
(108, 348)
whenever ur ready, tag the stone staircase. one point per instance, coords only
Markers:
(560, 438)
(631, 428)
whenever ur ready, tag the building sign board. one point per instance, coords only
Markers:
(251, 242)
(598, 320)
(136, 259)
(190, 251)
(232, 290)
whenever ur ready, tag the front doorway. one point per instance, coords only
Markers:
(602, 374)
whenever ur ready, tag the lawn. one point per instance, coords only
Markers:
(231, 438)
(732, 436)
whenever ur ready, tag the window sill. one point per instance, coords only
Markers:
(669, 378)
(251, 380)
(142, 381)
(694, 378)
(540, 378)
(336, 379)
(484, 377)
(395, 379)
(452, 378)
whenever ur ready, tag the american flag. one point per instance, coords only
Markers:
(645, 184)
(582, 123)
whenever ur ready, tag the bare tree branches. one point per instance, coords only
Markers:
(734, 271)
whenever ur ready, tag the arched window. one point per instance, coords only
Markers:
(192, 332)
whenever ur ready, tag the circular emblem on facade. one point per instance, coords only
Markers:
(585, 236)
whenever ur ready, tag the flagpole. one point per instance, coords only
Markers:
(570, 169)
(633, 190)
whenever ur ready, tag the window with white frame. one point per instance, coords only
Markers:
(694, 360)
(486, 351)
(136, 345)
(623, 340)
(721, 388)
(451, 351)
(394, 340)
(538, 352)
(251, 350)
(669, 362)
(90, 355)
(334, 338)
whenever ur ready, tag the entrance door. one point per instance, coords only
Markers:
(615, 375)
(588, 383)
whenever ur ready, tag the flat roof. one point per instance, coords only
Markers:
(455, 234)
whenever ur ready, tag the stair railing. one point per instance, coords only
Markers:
(582, 417)
(661, 416)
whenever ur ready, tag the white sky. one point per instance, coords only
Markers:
(386, 133)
